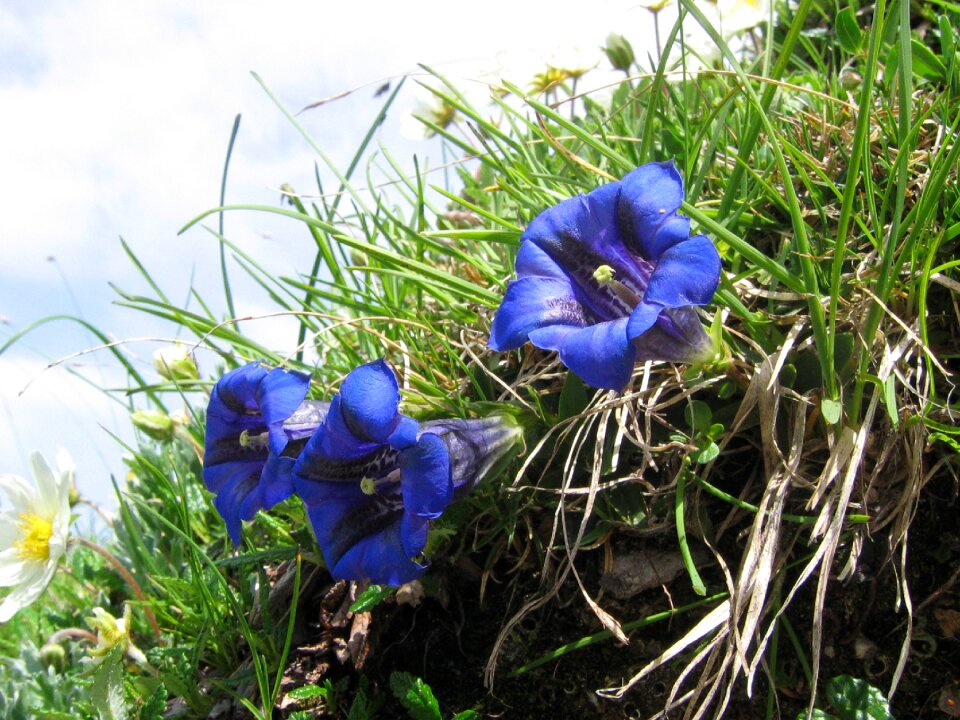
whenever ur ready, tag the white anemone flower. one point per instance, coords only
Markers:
(34, 533)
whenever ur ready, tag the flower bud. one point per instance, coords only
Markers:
(175, 363)
(619, 52)
(53, 655)
(153, 423)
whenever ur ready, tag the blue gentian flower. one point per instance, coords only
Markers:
(372, 478)
(609, 279)
(257, 419)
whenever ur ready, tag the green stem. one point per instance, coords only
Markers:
(606, 634)
(698, 587)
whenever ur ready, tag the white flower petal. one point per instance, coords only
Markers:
(26, 592)
(13, 570)
(66, 471)
(47, 486)
(9, 532)
(20, 494)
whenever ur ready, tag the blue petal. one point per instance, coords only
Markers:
(236, 392)
(533, 262)
(335, 438)
(687, 274)
(367, 537)
(386, 559)
(600, 354)
(275, 485)
(370, 398)
(476, 447)
(425, 479)
(651, 194)
(580, 235)
(279, 395)
(335, 454)
(249, 401)
(404, 433)
(675, 229)
(530, 303)
(643, 318)
(677, 336)
(231, 496)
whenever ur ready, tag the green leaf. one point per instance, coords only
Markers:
(155, 705)
(817, 715)
(363, 706)
(926, 64)
(698, 416)
(890, 400)
(848, 32)
(708, 451)
(466, 715)
(107, 692)
(830, 409)
(574, 397)
(415, 695)
(370, 598)
(856, 699)
(308, 692)
(944, 439)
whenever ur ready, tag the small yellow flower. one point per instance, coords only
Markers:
(34, 532)
(112, 632)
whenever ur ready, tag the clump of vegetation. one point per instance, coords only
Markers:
(718, 538)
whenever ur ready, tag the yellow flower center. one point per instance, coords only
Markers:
(35, 534)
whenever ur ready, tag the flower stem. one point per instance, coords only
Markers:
(127, 577)
(76, 633)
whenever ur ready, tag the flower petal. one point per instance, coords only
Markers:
(425, 479)
(531, 303)
(280, 394)
(13, 569)
(9, 532)
(19, 492)
(274, 485)
(651, 194)
(643, 317)
(687, 274)
(46, 502)
(27, 591)
(476, 447)
(231, 495)
(336, 454)
(675, 229)
(370, 398)
(677, 336)
(582, 234)
(533, 262)
(386, 559)
(365, 537)
(600, 354)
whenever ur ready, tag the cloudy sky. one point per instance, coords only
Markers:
(115, 123)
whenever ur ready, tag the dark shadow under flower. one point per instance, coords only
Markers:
(610, 278)
(372, 478)
(256, 419)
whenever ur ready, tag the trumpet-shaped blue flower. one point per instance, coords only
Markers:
(609, 278)
(257, 419)
(372, 479)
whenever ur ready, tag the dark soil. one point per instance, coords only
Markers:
(448, 638)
